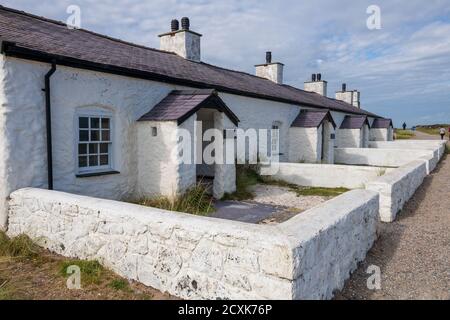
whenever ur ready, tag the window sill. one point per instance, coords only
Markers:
(96, 174)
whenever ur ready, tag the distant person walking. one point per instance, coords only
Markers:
(442, 133)
(404, 126)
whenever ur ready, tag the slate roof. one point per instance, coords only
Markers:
(382, 123)
(179, 105)
(312, 119)
(37, 38)
(354, 122)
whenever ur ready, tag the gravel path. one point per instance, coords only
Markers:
(413, 252)
(282, 196)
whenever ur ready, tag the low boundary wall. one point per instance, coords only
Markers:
(326, 175)
(385, 157)
(306, 257)
(435, 145)
(397, 187)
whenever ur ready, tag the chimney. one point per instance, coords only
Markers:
(272, 71)
(184, 42)
(316, 84)
(356, 97)
(351, 97)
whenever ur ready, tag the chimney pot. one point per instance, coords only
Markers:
(268, 57)
(185, 24)
(174, 25)
(313, 77)
(319, 77)
(344, 87)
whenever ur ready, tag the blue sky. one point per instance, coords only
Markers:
(402, 70)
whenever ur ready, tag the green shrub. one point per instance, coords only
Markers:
(196, 201)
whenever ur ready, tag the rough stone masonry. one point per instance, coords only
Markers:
(306, 257)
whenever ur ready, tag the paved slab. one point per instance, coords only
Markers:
(245, 211)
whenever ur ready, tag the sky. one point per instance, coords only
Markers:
(402, 69)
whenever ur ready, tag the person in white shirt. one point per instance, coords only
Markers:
(442, 133)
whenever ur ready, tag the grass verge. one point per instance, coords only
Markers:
(403, 134)
(307, 191)
(433, 129)
(28, 272)
(195, 201)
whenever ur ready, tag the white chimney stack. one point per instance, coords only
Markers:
(351, 97)
(184, 42)
(272, 71)
(316, 85)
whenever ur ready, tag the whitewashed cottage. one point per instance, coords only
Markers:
(88, 114)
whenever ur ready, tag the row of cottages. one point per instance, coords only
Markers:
(88, 114)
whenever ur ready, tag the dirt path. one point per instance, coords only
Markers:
(423, 136)
(413, 252)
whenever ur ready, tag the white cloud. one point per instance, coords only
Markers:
(398, 68)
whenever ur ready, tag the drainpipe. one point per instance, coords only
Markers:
(48, 123)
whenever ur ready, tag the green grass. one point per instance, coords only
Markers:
(317, 191)
(19, 247)
(403, 134)
(447, 149)
(7, 292)
(91, 271)
(119, 284)
(246, 176)
(306, 191)
(195, 201)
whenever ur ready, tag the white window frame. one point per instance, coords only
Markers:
(89, 113)
(275, 138)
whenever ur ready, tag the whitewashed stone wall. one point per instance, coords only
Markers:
(262, 114)
(365, 136)
(349, 138)
(307, 257)
(379, 134)
(224, 174)
(304, 145)
(161, 171)
(397, 187)
(326, 175)
(382, 157)
(434, 145)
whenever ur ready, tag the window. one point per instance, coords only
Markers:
(275, 139)
(94, 143)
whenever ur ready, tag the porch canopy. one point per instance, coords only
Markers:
(354, 122)
(312, 119)
(179, 105)
(382, 123)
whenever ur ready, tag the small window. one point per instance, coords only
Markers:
(275, 139)
(154, 131)
(94, 143)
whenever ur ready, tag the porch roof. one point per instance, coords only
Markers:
(179, 105)
(312, 119)
(354, 122)
(382, 123)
